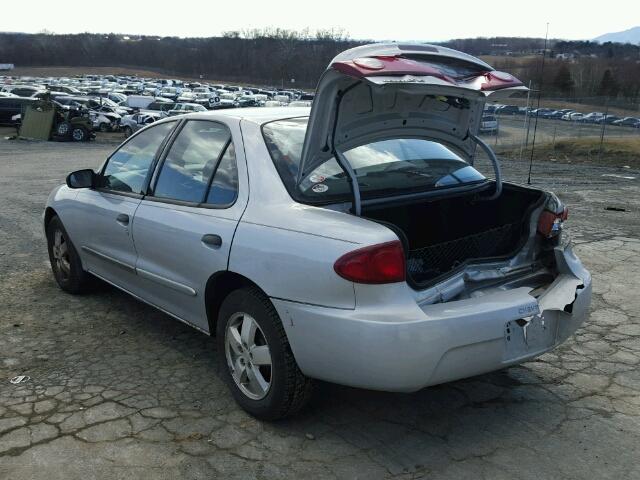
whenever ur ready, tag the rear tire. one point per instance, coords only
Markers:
(282, 390)
(65, 262)
(128, 132)
(79, 134)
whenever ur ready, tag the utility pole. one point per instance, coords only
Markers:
(535, 127)
(525, 125)
(604, 126)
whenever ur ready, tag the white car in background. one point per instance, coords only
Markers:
(300, 103)
(489, 124)
(130, 124)
(353, 242)
(573, 116)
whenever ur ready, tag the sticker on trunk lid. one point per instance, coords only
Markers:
(317, 178)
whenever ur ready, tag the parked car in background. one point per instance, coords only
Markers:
(333, 247)
(161, 105)
(130, 124)
(67, 89)
(206, 99)
(139, 101)
(118, 98)
(182, 108)
(608, 119)
(627, 122)
(282, 98)
(300, 103)
(48, 94)
(170, 93)
(23, 90)
(558, 114)
(186, 96)
(105, 121)
(107, 106)
(224, 104)
(489, 124)
(572, 116)
(275, 103)
(11, 108)
(593, 117)
(245, 101)
(507, 110)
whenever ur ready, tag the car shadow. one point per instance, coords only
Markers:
(402, 432)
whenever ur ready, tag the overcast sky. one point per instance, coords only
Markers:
(372, 19)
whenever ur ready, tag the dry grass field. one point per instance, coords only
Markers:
(616, 152)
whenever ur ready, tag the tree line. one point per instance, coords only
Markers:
(278, 56)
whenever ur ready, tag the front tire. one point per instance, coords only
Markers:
(63, 129)
(255, 358)
(65, 262)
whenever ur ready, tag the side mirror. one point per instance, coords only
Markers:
(81, 179)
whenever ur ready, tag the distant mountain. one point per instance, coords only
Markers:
(628, 36)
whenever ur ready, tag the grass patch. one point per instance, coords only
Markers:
(617, 152)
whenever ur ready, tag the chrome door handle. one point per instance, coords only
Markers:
(123, 218)
(212, 240)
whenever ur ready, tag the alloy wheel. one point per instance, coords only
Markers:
(248, 356)
(60, 251)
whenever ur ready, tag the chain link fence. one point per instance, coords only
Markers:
(561, 130)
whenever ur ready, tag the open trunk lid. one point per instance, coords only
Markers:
(382, 91)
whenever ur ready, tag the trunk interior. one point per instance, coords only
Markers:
(441, 235)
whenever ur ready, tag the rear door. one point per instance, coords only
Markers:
(184, 228)
(101, 220)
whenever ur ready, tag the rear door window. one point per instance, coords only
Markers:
(191, 161)
(224, 187)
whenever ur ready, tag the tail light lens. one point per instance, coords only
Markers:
(382, 263)
(551, 218)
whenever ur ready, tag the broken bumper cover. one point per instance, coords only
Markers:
(399, 346)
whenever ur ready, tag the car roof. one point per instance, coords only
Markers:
(258, 115)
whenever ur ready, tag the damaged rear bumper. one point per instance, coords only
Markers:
(397, 345)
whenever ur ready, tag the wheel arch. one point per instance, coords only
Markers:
(218, 287)
(49, 213)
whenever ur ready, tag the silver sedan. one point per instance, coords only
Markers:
(353, 242)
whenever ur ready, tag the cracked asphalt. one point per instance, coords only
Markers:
(119, 390)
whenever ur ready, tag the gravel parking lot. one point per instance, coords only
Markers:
(116, 389)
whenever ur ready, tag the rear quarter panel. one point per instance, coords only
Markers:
(289, 249)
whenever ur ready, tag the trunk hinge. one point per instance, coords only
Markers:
(355, 188)
(496, 166)
(342, 161)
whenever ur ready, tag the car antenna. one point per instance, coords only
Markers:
(535, 125)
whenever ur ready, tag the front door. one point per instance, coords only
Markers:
(101, 228)
(184, 227)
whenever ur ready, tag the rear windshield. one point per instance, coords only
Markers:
(388, 167)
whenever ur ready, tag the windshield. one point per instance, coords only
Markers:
(388, 167)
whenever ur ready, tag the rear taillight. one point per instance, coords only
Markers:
(382, 263)
(550, 223)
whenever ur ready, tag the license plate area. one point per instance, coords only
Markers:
(528, 336)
